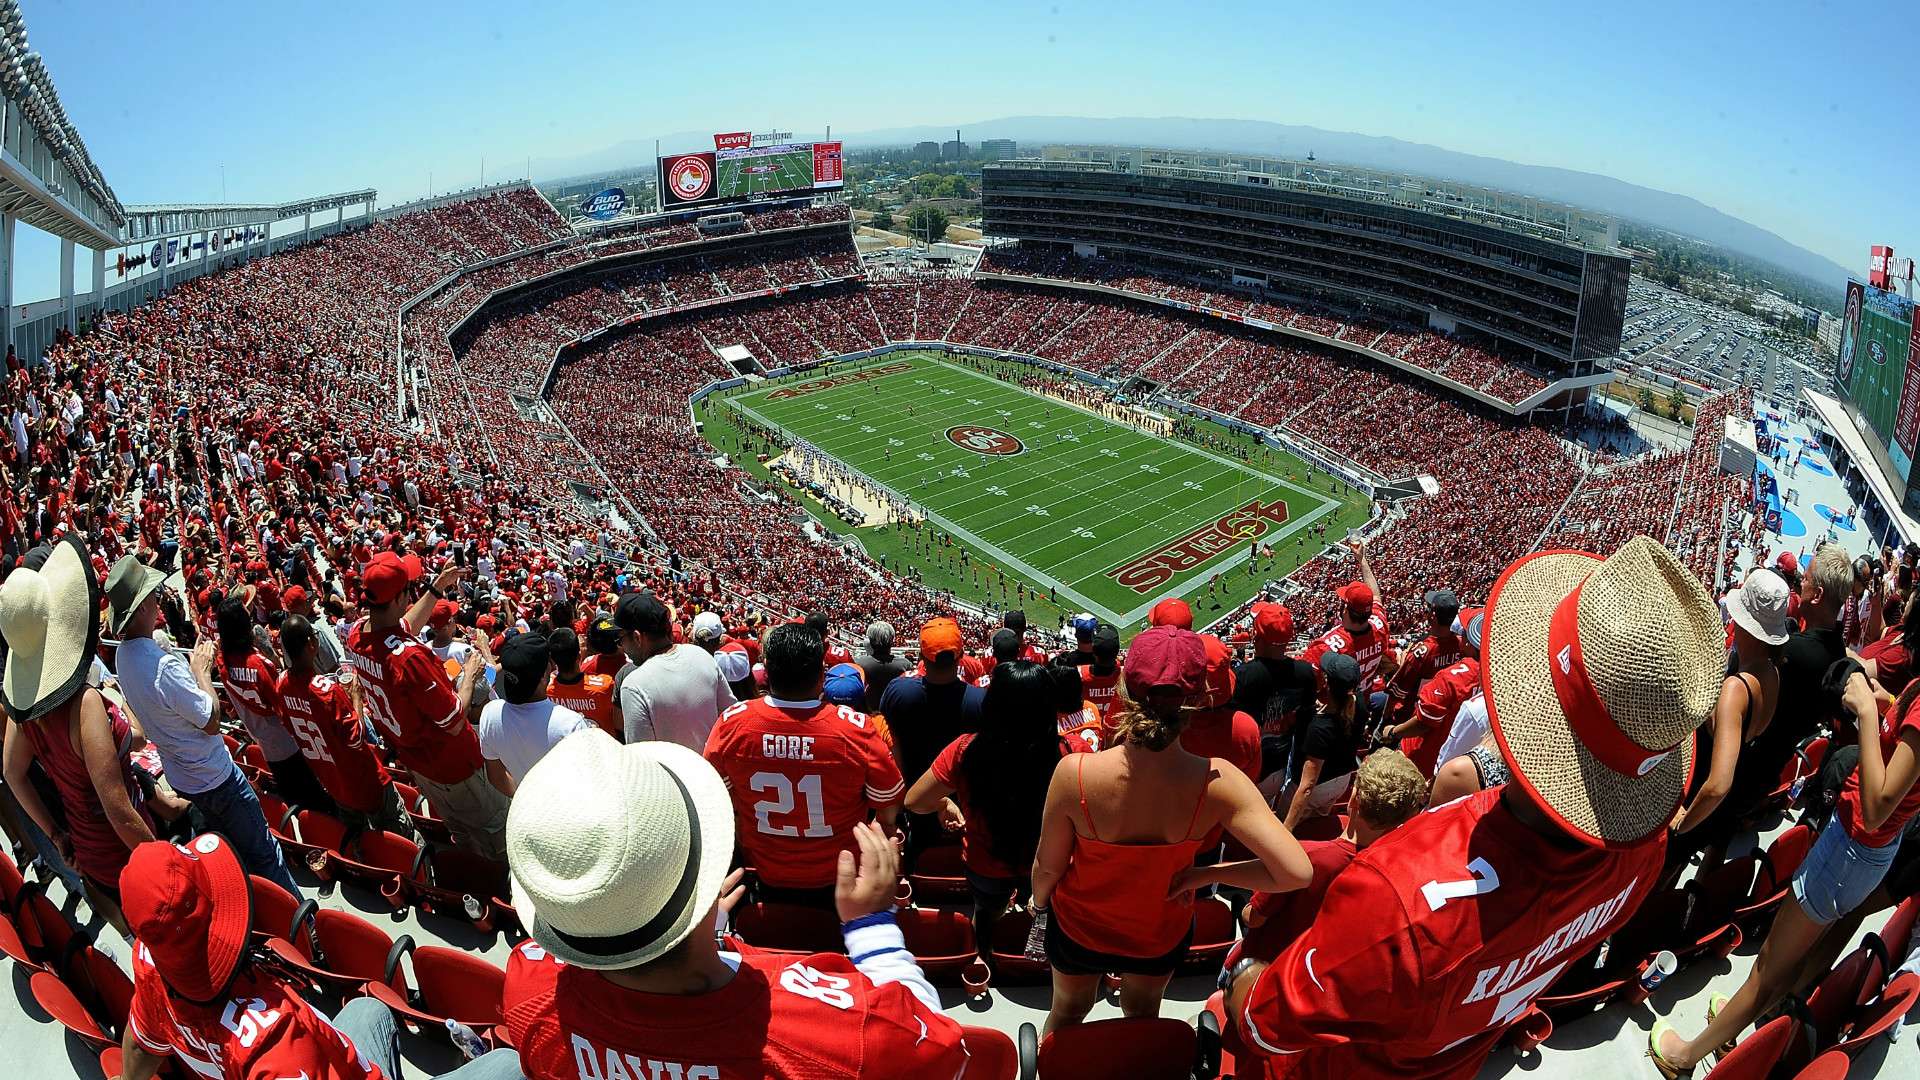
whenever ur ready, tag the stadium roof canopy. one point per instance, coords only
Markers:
(47, 178)
(150, 222)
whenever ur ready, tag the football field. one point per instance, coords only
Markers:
(1111, 517)
(742, 176)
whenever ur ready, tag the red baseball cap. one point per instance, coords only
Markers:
(1272, 624)
(188, 905)
(1357, 594)
(485, 622)
(385, 577)
(1788, 562)
(1172, 611)
(1165, 659)
(443, 613)
(1219, 686)
(293, 596)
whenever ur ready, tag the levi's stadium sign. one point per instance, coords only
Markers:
(732, 140)
(606, 205)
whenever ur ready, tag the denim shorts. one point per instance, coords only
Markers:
(1839, 873)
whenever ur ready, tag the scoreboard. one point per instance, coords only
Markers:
(737, 170)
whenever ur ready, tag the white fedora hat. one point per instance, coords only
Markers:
(51, 619)
(1597, 671)
(617, 852)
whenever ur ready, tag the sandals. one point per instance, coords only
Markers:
(1671, 1072)
(1714, 1004)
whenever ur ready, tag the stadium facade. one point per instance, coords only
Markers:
(1539, 283)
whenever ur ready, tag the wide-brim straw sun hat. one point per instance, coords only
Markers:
(1597, 672)
(617, 852)
(51, 620)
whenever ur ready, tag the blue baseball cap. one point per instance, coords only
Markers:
(845, 686)
(1084, 625)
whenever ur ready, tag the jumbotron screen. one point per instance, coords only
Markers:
(749, 173)
(1879, 364)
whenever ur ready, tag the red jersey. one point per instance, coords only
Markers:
(262, 1029)
(1366, 649)
(252, 684)
(1084, 729)
(1225, 733)
(1848, 808)
(802, 774)
(608, 664)
(410, 698)
(591, 697)
(816, 1018)
(1436, 938)
(1101, 690)
(1287, 915)
(1440, 701)
(320, 711)
(1422, 662)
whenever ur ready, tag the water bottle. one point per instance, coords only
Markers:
(1793, 791)
(465, 1039)
(1037, 936)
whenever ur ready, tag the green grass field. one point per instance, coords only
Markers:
(1109, 518)
(788, 172)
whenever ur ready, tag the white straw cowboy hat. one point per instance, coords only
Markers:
(617, 852)
(1597, 672)
(50, 617)
(1759, 605)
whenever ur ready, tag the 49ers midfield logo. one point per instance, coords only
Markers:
(984, 440)
(690, 177)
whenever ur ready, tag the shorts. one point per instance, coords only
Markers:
(1490, 765)
(1069, 957)
(993, 893)
(1839, 873)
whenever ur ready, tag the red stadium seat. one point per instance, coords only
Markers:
(939, 875)
(1214, 932)
(1873, 1019)
(273, 908)
(461, 885)
(446, 984)
(339, 952)
(1160, 1049)
(1832, 1065)
(1010, 961)
(1839, 996)
(775, 927)
(1759, 1054)
(942, 941)
(991, 1055)
(1898, 929)
(378, 861)
(1774, 878)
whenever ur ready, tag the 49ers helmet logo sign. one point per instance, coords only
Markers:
(984, 440)
(687, 178)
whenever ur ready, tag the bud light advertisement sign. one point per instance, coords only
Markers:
(605, 206)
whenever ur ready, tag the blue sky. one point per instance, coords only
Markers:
(1756, 108)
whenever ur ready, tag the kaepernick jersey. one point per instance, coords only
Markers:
(1084, 729)
(1366, 650)
(262, 1030)
(412, 703)
(802, 775)
(1440, 701)
(1101, 690)
(320, 712)
(1422, 662)
(252, 684)
(811, 1018)
(593, 698)
(1436, 938)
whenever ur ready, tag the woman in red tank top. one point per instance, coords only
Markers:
(1121, 825)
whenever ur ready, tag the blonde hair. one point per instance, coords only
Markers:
(1388, 789)
(1832, 573)
(1139, 723)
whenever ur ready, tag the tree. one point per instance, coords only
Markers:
(927, 223)
(1676, 402)
(1646, 399)
(883, 219)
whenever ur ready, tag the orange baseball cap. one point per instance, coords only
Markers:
(941, 635)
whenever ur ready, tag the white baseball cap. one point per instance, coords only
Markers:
(617, 852)
(707, 626)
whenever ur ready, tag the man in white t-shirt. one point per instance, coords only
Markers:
(676, 693)
(518, 728)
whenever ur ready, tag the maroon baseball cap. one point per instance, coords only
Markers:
(1172, 611)
(1272, 624)
(188, 905)
(1165, 659)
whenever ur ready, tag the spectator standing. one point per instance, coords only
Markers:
(802, 772)
(620, 857)
(1889, 661)
(320, 712)
(675, 692)
(524, 722)
(1100, 680)
(1362, 631)
(180, 715)
(1324, 751)
(1084, 625)
(1016, 621)
(418, 711)
(879, 663)
(1439, 936)
(1121, 826)
(253, 687)
(49, 617)
(603, 651)
(1272, 687)
(992, 787)
(331, 652)
(1217, 729)
(1433, 654)
(927, 712)
(590, 695)
(1438, 703)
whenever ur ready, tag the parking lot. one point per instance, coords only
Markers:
(1674, 336)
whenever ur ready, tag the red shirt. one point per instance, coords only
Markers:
(1892, 659)
(1287, 915)
(1435, 939)
(1848, 808)
(1085, 730)
(1225, 733)
(410, 698)
(1366, 649)
(976, 843)
(816, 1018)
(1440, 701)
(1100, 689)
(252, 684)
(261, 1030)
(591, 697)
(1435, 654)
(608, 664)
(802, 774)
(320, 711)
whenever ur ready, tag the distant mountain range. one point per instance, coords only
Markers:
(1663, 209)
